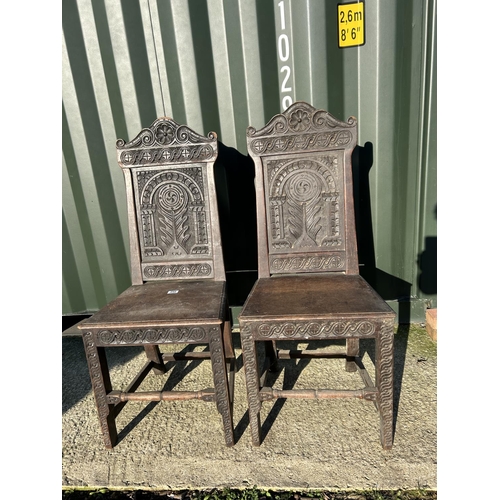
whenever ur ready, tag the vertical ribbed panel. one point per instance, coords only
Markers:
(216, 66)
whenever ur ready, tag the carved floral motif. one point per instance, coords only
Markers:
(299, 120)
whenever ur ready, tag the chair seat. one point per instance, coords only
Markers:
(306, 296)
(164, 303)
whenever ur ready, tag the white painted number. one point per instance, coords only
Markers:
(284, 88)
(284, 55)
(287, 101)
(282, 14)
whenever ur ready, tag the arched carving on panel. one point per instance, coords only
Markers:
(304, 198)
(173, 213)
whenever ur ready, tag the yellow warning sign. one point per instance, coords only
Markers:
(351, 24)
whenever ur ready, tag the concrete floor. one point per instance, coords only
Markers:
(308, 444)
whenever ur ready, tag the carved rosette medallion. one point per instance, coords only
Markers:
(315, 329)
(151, 336)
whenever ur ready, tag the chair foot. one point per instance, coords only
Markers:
(350, 364)
(255, 428)
(386, 435)
(221, 383)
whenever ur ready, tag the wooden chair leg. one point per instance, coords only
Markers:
(229, 356)
(228, 340)
(222, 396)
(252, 383)
(101, 383)
(153, 354)
(352, 350)
(272, 355)
(384, 380)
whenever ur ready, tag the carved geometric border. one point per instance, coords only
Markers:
(132, 336)
(300, 142)
(306, 263)
(185, 154)
(177, 271)
(314, 329)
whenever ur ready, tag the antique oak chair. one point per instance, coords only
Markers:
(308, 286)
(178, 282)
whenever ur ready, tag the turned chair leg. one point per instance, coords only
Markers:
(101, 383)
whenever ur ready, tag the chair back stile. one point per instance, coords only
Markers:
(171, 203)
(303, 182)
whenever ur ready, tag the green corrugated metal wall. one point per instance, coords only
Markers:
(218, 65)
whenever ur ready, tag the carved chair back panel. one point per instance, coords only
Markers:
(173, 217)
(304, 188)
(305, 212)
(171, 194)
